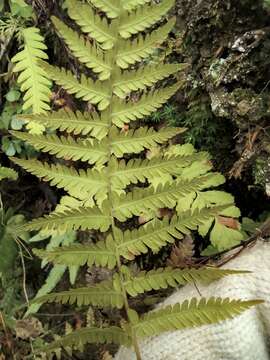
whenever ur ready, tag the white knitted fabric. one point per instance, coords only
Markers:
(245, 337)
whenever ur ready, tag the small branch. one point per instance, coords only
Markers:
(262, 232)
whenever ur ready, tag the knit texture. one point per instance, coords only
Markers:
(245, 337)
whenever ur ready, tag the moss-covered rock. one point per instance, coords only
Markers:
(227, 44)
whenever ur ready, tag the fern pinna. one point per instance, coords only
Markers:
(123, 177)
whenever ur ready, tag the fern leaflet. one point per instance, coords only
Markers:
(190, 314)
(33, 79)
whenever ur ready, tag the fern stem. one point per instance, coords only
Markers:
(110, 112)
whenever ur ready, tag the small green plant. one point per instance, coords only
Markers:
(17, 8)
(8, 246)
(7, 173)
(130, 174)
(9, 121)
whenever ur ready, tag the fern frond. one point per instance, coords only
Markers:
(66, 147)
(73, 219)
(7, 173)
(173, 177)
(131, 52)
(126, 112)
(101, 295)
(169, 277)
(110, 9)
(78, 183)
(141, 78)
(190, 314)
(153, 235)
(33, 79)
(93, 335)
(87, 53)
(158, 233)
(132, 4)
(100, 254)
(85, 89)
(141, 201)
(70, 122)
(143, 18)
(91, 24)
(135, 141)
(140, 170)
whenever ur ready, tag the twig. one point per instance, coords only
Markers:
(261, 232)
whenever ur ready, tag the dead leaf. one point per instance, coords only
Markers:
(106, 356)
(182, 255)
(165, 212)
(28, 328)
(125, 128)
(229, 222)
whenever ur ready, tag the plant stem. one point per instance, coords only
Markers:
(110, 198)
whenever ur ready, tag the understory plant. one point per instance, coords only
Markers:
(135, 188)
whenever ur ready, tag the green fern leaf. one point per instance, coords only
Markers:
(70, 122)
(224, 238)
(139, 49)
(86, 89)
(190, 314)
(88, 54)
(141, 78)
(100, 254)
(166, 195)
(102, 295)
(7, 173)
(138, 170)
(108, 6)
(132, 4)
(78, 183)
(124, 113)
(91, 335)
(33, 79)
(66, 147)
(136, 141)
(144, 18)
(74, 219)
(91, 24)
(174, 177)
(163, 278)
(158, 233)
(153, 235)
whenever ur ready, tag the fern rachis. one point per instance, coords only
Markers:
(100, 196)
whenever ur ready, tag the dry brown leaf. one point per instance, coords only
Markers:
(165, 212)
(182, 255)
(28, 328)
(106, 356)
(125, 128)
(229, 222)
